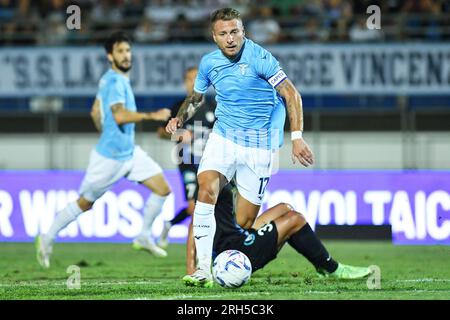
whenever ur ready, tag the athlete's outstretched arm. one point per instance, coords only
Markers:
(300, 149)
(187, 110)
(123, 115)
(96, 115)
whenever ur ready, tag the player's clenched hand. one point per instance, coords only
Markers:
(302, 152)
(173, 125)
(161, 115)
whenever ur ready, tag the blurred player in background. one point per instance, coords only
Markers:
(115, 155)
(193, 139)
(250, 85)
(271, 230)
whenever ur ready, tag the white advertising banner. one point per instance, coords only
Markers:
(158, 70)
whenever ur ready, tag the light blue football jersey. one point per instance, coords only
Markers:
(248, 106)
(277, 123)
(116, 141)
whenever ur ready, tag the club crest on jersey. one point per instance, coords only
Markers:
(243, 67)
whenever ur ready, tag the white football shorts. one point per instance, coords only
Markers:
(252, 166)
(103, 172)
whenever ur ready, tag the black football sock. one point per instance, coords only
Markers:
(307, 244)
(181, 215)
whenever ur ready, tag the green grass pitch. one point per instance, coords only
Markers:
(116, 271)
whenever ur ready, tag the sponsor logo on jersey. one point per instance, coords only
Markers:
(189, 176)
(249, 240)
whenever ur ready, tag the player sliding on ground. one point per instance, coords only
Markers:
(115, 155)
(262, 242)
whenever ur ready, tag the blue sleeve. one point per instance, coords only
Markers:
(266, 65)
(116, 92)
(202, 81)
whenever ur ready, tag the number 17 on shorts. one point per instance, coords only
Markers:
(262, 186)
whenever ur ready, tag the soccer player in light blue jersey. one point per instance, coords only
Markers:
(115, 155)
(250, 87)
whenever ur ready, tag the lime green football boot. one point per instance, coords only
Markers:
(43, 251)
(346, 272)
(199, 278)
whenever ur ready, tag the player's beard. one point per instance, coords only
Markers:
(120, 67)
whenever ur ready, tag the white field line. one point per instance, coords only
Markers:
(221, 295)
(309, 292)
(423, 280)
(39, 283)
(153, 282)
(375, 290)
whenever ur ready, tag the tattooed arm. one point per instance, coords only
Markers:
(293, 104)
(300, 150)
(187, 110)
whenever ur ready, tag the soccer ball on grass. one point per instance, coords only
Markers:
(232, 269)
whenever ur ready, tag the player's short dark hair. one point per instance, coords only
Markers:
(116, 37)
(225, 14)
